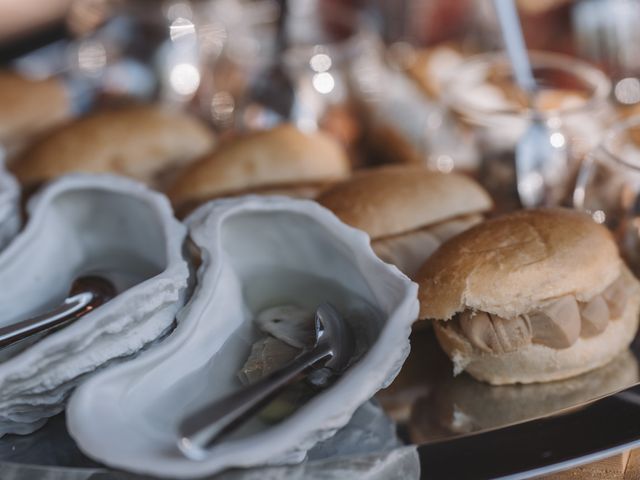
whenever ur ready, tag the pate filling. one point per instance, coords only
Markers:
(557, 325)
(408, 251)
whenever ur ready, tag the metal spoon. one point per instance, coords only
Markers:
(541, 153)
(334, 348)
(86, 294)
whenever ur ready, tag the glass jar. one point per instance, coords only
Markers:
(573, 101)
(319, 76)
(327, 52)
(344, 84)
(201, 55)
(608, 187)
(237, 44)
(330, 49)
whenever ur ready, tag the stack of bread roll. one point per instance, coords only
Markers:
(528, 297)
(531, 296)
(176, 152)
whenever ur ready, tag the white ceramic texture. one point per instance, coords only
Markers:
(256, 252)
(9, 205)
(82, 224)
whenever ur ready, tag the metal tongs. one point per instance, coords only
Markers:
(333, 350)
(86, 294)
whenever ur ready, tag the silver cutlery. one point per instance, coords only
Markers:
(86, 294)
(541, 156)
(333, 351)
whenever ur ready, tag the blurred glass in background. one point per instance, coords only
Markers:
(371, 72)
(573, 99)
(608, 187)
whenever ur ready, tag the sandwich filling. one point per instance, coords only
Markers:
(408, 251)
(557, 325)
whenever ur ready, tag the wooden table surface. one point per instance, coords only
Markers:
(624, 466)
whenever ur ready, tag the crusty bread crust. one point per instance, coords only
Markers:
(512, 264)
(30, 106)
(392, 200)
(139, 142)
(281, 156)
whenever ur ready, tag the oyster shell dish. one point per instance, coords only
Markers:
(263, 259)
(84, 224)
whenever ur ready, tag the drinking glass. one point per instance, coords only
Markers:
(320, 76)
(608, 185)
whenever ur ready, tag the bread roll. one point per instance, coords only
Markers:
(147, 143)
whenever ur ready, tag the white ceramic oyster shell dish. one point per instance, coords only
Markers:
(256, 252)
(9, 206)
(83, 224)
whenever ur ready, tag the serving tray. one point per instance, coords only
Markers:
(513, 432)
(367, 447)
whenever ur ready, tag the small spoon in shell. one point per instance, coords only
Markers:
(333, 350)
(87, 293)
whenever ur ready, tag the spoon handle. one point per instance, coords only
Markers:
(74, 307)
(514, 42)
(201, 428)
